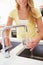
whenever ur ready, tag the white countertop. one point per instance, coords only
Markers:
(16, 60)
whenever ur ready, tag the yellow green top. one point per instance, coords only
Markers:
(21, 34)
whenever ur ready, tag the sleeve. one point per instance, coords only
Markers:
(12, 14)
(38, 13)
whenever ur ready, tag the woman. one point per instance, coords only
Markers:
(26, 14)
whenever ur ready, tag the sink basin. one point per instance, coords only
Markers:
(37, 53)
(14, 44)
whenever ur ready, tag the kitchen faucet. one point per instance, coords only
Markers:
(9, 27)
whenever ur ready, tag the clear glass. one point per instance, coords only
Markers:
(25, 39)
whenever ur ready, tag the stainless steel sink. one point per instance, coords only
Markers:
(37, 53)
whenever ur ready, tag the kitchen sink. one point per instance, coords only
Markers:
(37, 53)
(14, 44)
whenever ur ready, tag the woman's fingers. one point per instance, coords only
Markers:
(30, 46)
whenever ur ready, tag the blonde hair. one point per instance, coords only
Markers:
(30, 6)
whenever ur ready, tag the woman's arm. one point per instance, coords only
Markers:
(34, 41)
(9, 23)
(40, 27)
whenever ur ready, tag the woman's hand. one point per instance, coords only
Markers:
(32, 43)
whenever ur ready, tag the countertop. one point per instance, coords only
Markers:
(16, 60)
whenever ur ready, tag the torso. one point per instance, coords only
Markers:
(23, 14)
(23, 22)
(23, 18)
